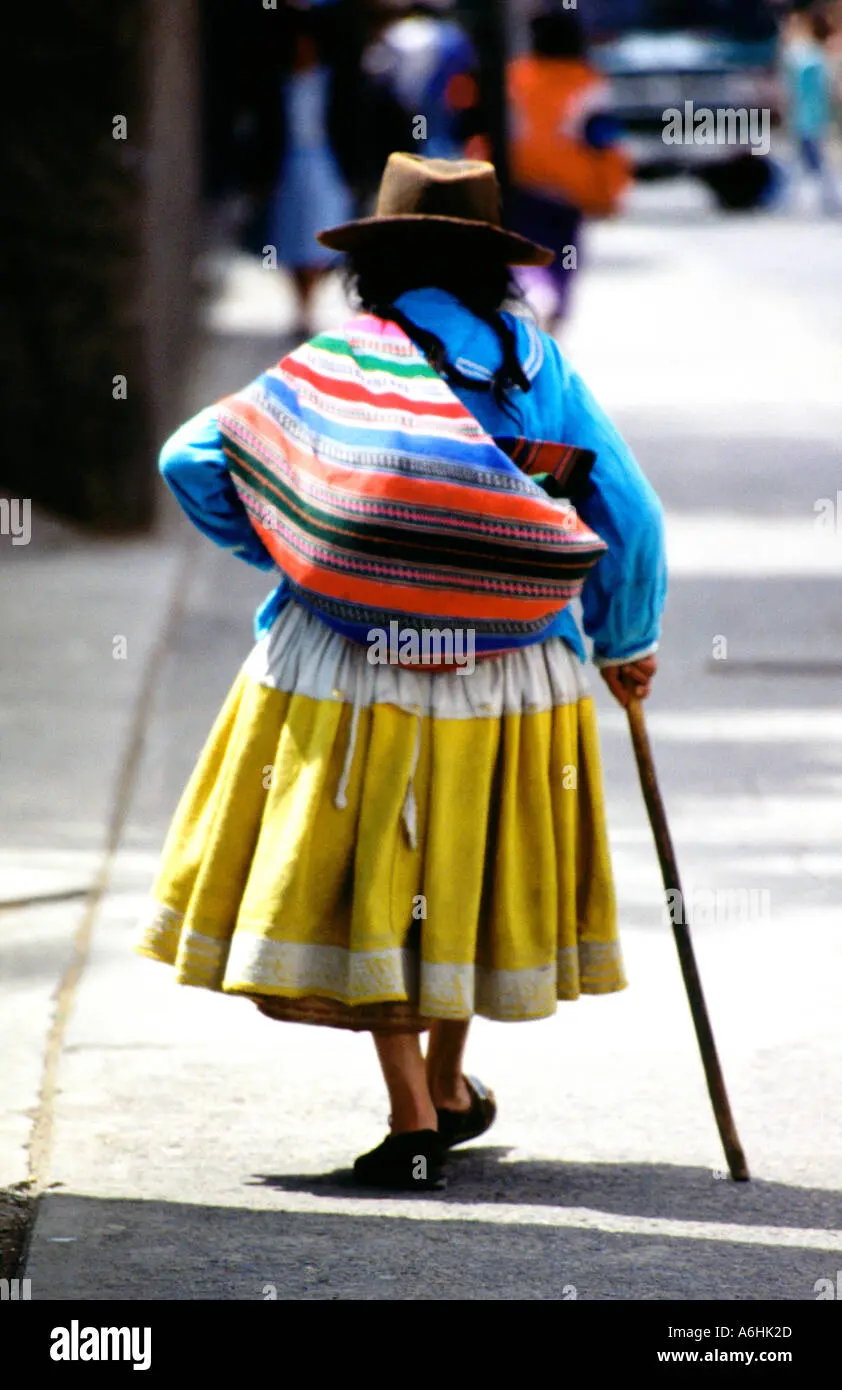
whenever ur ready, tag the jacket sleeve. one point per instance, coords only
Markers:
(624, 595)
(195, 469)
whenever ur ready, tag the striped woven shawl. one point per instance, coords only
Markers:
(380, 496)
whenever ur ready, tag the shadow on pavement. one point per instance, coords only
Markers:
(86, 1248)
(658, 1191)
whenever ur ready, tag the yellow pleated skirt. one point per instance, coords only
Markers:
(377, 847)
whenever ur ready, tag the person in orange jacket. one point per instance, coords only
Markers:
(564, 159)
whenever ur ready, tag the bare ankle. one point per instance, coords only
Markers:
(407, 1118)
(449, 1092)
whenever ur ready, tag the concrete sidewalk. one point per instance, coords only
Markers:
(84, 629)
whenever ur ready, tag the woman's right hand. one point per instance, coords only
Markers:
(631, 681)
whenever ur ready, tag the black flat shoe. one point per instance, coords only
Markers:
(458, 1126)
(412, 1162)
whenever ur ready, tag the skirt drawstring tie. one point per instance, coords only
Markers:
(341, 798)
(409, 814)
(409, 811)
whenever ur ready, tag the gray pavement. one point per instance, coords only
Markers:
(187, 1148)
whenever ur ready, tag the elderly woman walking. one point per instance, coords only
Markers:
(397, 822)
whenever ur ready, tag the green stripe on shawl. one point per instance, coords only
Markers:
(474, 553)
(369, 363)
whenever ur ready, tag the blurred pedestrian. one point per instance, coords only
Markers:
(809, 83)
(423, 72)
(310, 187)
(565, 160)
(384, 842)
(833, 50)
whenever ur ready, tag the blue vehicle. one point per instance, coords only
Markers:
(699, 55)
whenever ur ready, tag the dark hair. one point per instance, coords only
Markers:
(558, 34)
(450, 259)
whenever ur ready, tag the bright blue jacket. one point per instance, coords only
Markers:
(624, 595)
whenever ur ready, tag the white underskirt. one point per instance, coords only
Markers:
(301, 654)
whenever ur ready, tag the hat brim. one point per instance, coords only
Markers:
(515, 249)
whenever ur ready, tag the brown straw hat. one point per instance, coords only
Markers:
(462, 194)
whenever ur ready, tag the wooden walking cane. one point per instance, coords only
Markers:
(669, 869)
